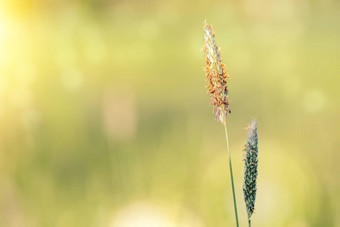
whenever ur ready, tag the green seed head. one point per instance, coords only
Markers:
(250, 168)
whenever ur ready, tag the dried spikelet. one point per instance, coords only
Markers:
(250, 168)
(216, 75)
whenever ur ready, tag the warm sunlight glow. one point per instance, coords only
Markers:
(141, 215)
(2, 36)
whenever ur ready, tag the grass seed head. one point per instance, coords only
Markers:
(216, 75)
(250, 168)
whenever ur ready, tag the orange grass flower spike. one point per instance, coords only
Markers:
(216, 75)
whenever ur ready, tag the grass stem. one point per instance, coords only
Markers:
(249, 221)
(231, 173)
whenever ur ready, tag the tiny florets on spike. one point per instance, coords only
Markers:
(250, 168)
(216, 75)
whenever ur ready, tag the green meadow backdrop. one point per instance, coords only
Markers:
(105, 118)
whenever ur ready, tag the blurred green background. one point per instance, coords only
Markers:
(105, 121)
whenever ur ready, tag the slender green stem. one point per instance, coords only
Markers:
(249, 222)
(231, 173)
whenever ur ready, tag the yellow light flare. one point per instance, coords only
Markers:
(16, 8)
(3, 81)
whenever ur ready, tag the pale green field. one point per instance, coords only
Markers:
(105, 121)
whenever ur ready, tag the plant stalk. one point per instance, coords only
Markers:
(231, 173)
(249, 222)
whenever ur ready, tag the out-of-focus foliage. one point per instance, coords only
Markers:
(105, 121)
